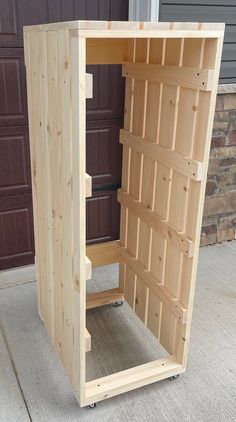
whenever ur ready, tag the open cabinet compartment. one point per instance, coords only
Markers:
(171, 72)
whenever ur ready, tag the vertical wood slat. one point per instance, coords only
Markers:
(30, 72)
(54, 135)
(127, 279)
(43, 170)
(64, 105)
(173, 56)
(78, 92)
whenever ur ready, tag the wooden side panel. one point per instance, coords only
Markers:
(166, 116)
(56, 84)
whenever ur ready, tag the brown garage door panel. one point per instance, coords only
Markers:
(104, 119)
(13, 102)
(17, 13)
(102, 212)
(104, 152)
(108, 92)
(16, 231)
(14, 161)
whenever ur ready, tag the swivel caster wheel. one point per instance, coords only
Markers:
(118, 303)
(174, 377)
(92, 405)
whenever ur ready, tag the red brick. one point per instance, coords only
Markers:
(228, 161)
(219, 204)
(211, 187)
(209, 234)
(218, 141)
(224, 235)
(220, 102)
(229, 101)
(231, 138)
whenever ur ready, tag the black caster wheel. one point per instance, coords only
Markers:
(118, 303)
(174, 377)
(92, 405)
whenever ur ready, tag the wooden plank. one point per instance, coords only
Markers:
(172, 75)
(120, 382)
(88, 188)
(104, 298)
(152, 33)
(87, 341)
(46, 187)
(170, 158)
(31, 48)
(54, 133)
(157, 223)
(106, 51)
(78, 94)
(89, 85)
(102, 253)
(155, 285)
(88, 268)
(63, 140)
(189, 28)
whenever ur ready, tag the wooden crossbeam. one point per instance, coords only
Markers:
(88, 185)
(172, 159)
(102, 253)
(89, 85)
(87, 341)
(105, 297)
(129, 379)
(88, 266)
(154, 284)
(185, 77)
(154, 220)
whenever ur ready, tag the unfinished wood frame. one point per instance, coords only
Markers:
(171, 72)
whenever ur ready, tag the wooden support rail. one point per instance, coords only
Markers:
(106, 297)
(129, 379)
(154, 220)
(172, 159)
(88, 185)
(88, 265)
(102, 253)
(186, 77)
(87, 341)
(154, 284)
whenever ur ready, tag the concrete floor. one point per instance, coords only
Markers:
(33, 386)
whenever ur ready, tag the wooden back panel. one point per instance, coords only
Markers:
(170, 97)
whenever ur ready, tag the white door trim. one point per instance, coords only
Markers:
(143, 10)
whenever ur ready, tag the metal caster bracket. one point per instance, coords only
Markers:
(92, 405)
(118, 303)
(174, 377)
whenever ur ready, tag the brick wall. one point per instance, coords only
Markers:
(219, 221)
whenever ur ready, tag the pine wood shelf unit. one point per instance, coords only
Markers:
(171, 72)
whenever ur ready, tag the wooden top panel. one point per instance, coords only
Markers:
(113, 29)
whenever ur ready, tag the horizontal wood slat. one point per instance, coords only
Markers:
(87, 341)
(102, 253)
(106, 297)
(88, 265)
(172, 159)
(111, 385)
(88, 188)
(154, 220)
(172, 75)
(89, 85)
(151, 281)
